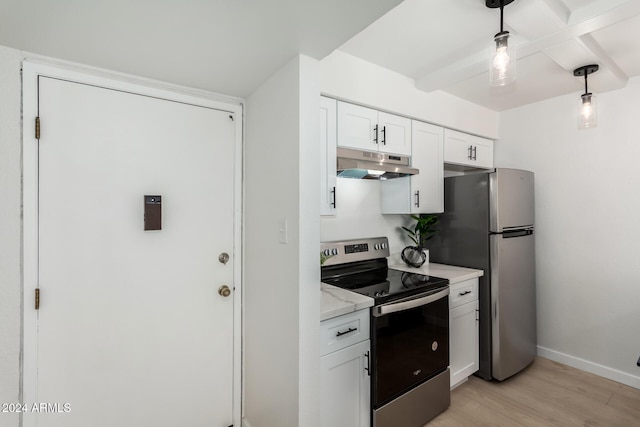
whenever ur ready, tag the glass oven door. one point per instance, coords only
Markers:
(410, 343)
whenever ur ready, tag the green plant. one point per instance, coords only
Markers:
(423, 229)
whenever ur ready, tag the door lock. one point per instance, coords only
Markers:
(224, 291)
(223, 258)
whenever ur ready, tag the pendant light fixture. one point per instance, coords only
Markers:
(587, 116)
(502, 69)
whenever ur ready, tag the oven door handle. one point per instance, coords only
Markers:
(407, 304)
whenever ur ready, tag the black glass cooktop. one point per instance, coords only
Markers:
(375, 280)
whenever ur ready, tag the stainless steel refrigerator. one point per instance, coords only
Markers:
(489, 224)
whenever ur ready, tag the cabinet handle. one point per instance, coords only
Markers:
(475, 152)
(333, 204)
(384, 135)
(368, 366)
(348, 331)
(417, 198)
(469, 151)
(464, 293)
(375, 138)
(477, 315)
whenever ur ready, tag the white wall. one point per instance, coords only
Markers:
(352, 79)
(359, 215)
(281, 281)
(587, 227)
(10, 230)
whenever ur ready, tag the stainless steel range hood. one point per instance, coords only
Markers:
(362, 164)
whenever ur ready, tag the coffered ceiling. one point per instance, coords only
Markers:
(445, 45)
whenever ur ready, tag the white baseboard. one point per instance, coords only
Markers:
(594, 368)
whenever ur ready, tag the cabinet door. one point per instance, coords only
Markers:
(345, 387)
(357, 127)
(457, 147)
(427, 193)
(394, 134)
(328, 135)
(482, 152)
(424, 192)
(467, 150)
(463, 342)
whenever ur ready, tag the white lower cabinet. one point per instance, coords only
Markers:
(463, 330)
(345, 383)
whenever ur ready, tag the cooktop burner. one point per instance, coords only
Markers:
(387, 285)
(361, 266)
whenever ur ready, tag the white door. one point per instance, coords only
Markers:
(132, 330)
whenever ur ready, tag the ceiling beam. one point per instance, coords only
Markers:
(581, 23)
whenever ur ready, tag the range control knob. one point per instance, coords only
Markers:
(327, 252)
(384, 245)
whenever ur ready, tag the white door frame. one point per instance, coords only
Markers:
(30, 73)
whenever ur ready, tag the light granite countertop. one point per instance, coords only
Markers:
(337, 301)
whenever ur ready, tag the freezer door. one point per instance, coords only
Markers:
(513, 303)
(511, 199)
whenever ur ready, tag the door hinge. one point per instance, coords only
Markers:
(37, 298)
(37, 127)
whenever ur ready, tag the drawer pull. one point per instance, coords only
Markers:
(464, 293)
(339, 334)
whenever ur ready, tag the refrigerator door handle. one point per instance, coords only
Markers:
(514, 233)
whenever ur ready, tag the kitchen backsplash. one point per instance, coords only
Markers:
(359, 215)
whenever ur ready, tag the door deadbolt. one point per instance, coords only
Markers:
(223, 258)
(224, 291)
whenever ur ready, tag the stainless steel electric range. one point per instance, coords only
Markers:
(409, 331)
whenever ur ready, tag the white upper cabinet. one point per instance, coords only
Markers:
(467, 150)
(424, 192)
(328, 135)
(368, 129)
(394, 134)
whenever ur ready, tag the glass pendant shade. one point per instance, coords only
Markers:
(587, 116)
(502, 69)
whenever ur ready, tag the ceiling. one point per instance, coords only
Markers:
(232, 46)
(225, 46)
(445, 45)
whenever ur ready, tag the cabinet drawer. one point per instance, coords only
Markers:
(463, 292)
(343, 331)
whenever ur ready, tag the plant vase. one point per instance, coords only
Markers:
(414, 256)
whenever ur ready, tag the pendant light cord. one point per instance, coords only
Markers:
(501, 16)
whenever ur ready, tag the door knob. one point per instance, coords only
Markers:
(224, 291)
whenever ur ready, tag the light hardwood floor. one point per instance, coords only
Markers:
(545, 394)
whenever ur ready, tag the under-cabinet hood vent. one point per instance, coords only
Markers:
(361, 164)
